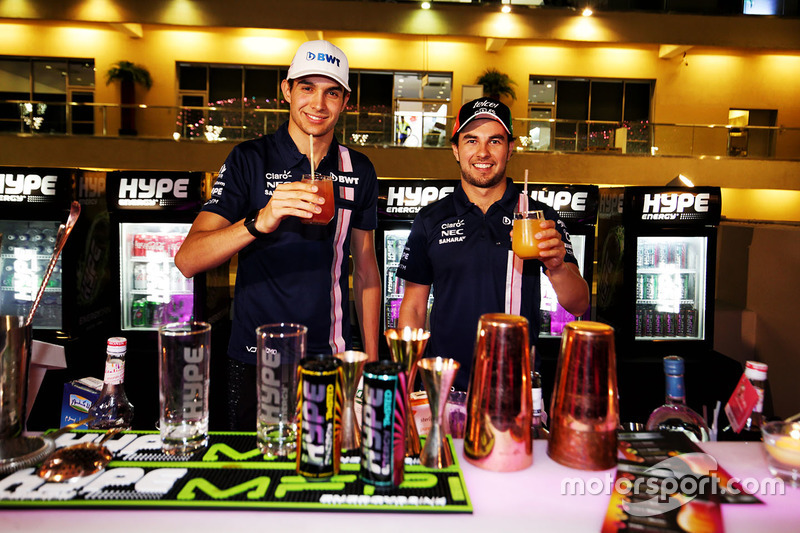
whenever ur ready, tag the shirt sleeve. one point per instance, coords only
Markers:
(229, 195)
(415, 264)
(365, 216)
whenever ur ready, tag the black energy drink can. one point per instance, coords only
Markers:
(383, 424)
(319, 412)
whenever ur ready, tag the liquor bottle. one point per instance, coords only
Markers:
(675, 415)
(538, 425)
(756, 373)
(112, 408)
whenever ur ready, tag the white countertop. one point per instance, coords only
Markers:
(530, 499)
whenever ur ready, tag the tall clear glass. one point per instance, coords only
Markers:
(280, 349)
(184, 350)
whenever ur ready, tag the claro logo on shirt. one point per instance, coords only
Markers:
(452, 232)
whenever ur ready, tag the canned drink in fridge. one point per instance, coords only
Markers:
(662, 254)
(690, 317)
(140, 242)
(157, 312)
(640, 286)
(670, 326)
(383, 442)
(319, 408)
(649, 325)
(648, 254)
(138, 314)
(638, 324)
(650, 286)
(139, 276)
(679, 254)
(658, 324)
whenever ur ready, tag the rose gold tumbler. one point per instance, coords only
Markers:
(498, 432)
(584, 412)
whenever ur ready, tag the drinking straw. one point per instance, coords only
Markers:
(311, 144)
(525, 187)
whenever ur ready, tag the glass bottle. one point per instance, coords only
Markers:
(538, 425)
(756, 373)
(675, 415)
(112, 408)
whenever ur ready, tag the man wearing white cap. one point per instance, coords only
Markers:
(461, 245)
(289, 271)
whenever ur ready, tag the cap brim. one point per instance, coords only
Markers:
(479, 115)
(315, 72)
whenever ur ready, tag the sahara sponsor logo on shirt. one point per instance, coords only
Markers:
(452, 232)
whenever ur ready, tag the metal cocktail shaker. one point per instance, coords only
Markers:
(15, 342)
(498, 432)
(584, 414)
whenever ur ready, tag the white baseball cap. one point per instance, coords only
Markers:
(320, 58)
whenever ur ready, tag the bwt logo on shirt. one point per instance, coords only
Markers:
(559, 199)
(27, 184)
(138, 188)
(311, 56)
(667, 206)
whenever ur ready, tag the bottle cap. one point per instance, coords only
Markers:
(117, 344)
(673, 365)
(755, 370)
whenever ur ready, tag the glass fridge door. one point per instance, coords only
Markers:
(670, 288)
(26, 250)
(555, 317)
(152, 290)
(393, 244)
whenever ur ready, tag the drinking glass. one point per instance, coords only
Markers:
(782, 446)
(184, 355)
(523, 237)
(280, 349)
(325, 189)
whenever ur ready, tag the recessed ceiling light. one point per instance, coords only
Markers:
(425, 5)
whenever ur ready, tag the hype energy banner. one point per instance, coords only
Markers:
(231, 473)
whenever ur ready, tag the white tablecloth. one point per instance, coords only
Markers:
(529, 500)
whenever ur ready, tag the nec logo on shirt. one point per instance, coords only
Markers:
(327, 58)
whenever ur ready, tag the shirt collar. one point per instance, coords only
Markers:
(508, 203)
(292, 157)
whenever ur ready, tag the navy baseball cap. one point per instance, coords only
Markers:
(483, 108)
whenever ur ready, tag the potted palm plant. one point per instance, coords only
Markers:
(128, 75)
(496, 84)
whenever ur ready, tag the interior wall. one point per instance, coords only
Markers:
(698, 89)
(773, 293)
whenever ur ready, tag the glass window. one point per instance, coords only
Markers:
(81, 73)
(541, 91)
(606, 100)
(191, 78)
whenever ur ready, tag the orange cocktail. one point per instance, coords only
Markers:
(523, 237)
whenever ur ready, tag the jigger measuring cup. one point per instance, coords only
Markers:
(584, 412)
(499, 405)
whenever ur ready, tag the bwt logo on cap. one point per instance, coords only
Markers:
(328, 58)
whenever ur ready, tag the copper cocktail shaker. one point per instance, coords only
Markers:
(498, 433)
(584, 413)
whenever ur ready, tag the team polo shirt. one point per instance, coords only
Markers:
(466, 256)
(298, 273)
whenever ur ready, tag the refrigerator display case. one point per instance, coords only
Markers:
(152, 213)
(399, 201)
(656, 267)
(34, 202)
(576, 206)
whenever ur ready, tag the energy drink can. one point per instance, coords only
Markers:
(139, 314)
(679, 254)
(383, 421)
(640, 286)
(690, 317)
(648, 323)
(670, 324)
(650, 286)
(319, 411)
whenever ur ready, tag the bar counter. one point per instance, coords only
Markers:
(529, 500)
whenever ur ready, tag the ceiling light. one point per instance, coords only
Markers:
(587, 12)
(506, 9)
(425, 5)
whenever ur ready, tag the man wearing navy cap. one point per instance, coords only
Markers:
(289, 271)
(461, 245)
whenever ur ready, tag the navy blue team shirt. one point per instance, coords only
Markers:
(299, 273)
(466, 256)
